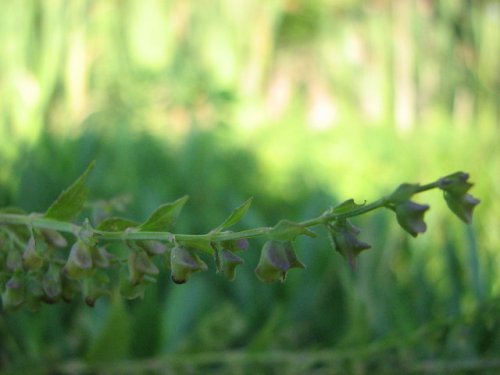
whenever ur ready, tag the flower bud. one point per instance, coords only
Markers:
(462, 205)
(86, 234)
(402, 194)
(129, 290)
(139, 265)
(79, 261)
(456, 184)
(229, 262)
(32, 259)
(410, 216)
(14, 260)
(13, 295)
(95, 287)
(70, 287)
(54, 238)
(34, 282)
(183, 263)
(3, 254)
(241, 244)
(344, 236)
(153, 247)
(52, 284)
(235, 245)
(101, 258)
(34, 289)
(276, 259)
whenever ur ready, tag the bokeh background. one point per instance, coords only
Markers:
(300, 104)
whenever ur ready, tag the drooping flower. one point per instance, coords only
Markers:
(276, 259)
(410, 216)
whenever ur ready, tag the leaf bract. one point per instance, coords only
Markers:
(346, 206)
(236, 215)
(287, 230)
(164, 217)
(70, 202)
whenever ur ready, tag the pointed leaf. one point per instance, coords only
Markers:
(403, 193)
(116, 224)
(70, 202)
(346, 206)
(236, 215)
(199, 244)
(164, 217)
(287, 230)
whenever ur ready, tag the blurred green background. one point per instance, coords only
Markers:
(300, 104)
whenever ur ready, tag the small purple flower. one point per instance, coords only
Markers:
(462, 205)
(410, 216)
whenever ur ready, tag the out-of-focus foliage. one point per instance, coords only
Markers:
(300, 104)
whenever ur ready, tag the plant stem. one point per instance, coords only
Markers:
(38, 221)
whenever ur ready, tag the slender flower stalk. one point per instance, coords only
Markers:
(49, 257)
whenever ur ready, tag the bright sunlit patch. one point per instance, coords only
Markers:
(322, 112)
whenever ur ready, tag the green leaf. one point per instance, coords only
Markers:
(116, 224)
(287, 230)
(70, 202)
(403, 193)
(164, 217)
(346, 206)
(199, 244)
(236, 215)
